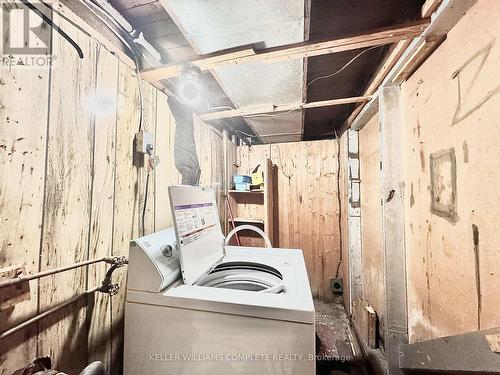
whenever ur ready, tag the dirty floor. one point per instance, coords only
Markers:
(337, 351)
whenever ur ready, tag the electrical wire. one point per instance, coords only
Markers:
(313, 81)
(54, 26)
(143, 219)
(281, 163)
(141, 99)
(339, 201)
(343, 68)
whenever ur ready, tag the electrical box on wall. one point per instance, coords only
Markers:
(144, 142)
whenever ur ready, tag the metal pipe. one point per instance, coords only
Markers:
(23, 278)
(46, 313)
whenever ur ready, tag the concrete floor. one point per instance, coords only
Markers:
(336, 348)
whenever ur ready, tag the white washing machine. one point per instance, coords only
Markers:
(195, 306)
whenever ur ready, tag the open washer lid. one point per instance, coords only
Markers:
(197, 228)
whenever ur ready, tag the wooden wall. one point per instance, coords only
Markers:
(306, 207)
(70, 191)
(371, 220)
(453, 102)
(451, 185)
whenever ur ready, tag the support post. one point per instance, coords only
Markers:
(391, 125)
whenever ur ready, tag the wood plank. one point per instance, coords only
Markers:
(409, 55)
(210, 150)
(101, 228)
(77, 12)
(421, 53)
(268, 199)
(371, 219)
(126, 208)
(163, 176)
(306, 211)
(365, 322)
(255, 111)
(430, 7)
(12, 295)
(23, 137)
(468, 353)
(149, 125)
(386, 66)
(393, 229)
(67, 200)
(292, 51)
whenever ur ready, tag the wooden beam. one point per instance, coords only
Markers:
(393, 224)
(445, 17)
(430, 7)
(421, 53)
(269, 109)
(393, 56)
(388, 63)
(291, 51)
(366, 114)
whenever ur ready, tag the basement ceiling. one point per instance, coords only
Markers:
(183, 29)
(217, 25)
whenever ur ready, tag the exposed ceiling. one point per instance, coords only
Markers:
(182, 29)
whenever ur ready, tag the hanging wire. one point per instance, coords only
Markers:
(339, 201)
(281, 163)
(343, 68)
(313, 81)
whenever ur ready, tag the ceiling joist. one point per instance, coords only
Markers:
(271, 109)
(288, 52)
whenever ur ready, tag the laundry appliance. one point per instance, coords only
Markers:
(196, 305)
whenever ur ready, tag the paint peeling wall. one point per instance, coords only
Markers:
(452, 179)
(70, 191)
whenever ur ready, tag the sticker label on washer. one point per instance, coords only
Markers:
(194, 221)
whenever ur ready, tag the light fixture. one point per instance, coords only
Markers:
(190, 89)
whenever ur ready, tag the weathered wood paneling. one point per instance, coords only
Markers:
(23, 129)
(94, 194)
(127, 207)
(307, 208)
(65, 234)
(371, 218)
(452, 102)
(209, 145)
(165, 174)
(101, 228)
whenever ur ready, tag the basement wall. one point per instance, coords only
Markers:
(451, 138)
(452, 109)
(70, 191)
(306, 207)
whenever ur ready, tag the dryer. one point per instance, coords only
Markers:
(195, 306)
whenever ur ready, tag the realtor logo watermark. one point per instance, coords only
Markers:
(26, 34)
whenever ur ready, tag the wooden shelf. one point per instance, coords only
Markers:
(246, 192)
(248, 220)
(254, 207)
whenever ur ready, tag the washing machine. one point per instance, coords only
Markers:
(196, 305)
